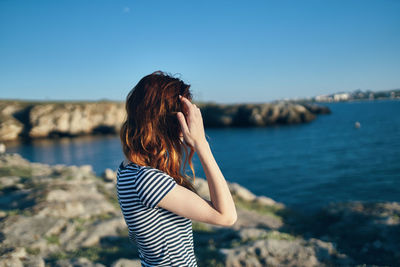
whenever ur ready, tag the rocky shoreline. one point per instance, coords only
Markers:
(23, 119)
(67, 216)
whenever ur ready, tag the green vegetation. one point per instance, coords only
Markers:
(123, 232)
(280, 236)
(273, 211)
(207, 254)
(110, 196)
(273, 234)
(207, 244)
(79, 222)
(20, 171)
(106, 254)
(53, 239)
(32, 251)
(59, 255)
(201, 227)
(101, 217)
(94, 253)
(14, 212)
(396, 217)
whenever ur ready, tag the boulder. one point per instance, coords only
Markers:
(2, 148)
(10, 128)
(109, 175)
(126, 263)
(79, 262)
(18, 256)
(75, 118)
(275, 252)
(242, 192)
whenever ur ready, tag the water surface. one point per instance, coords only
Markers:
(304, 166)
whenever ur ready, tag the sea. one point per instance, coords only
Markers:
(352, 154)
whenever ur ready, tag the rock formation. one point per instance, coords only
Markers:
(67, 216)
(46, 119)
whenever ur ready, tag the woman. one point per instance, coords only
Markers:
(158, 202)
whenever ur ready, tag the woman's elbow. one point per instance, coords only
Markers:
(234, 219)
(229, 221)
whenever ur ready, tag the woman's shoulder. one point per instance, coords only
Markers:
(129, 165)
(139, 170)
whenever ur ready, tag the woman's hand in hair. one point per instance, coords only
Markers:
(191, 123)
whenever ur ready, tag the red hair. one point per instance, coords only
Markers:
(150, 133)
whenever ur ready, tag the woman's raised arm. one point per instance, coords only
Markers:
(221, 209)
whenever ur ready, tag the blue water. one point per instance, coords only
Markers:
(304, 166)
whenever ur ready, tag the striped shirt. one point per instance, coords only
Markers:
(163, 238)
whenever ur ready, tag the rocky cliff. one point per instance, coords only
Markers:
(19, 119)
(67, 216)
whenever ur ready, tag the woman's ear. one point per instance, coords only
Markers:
(181, 135)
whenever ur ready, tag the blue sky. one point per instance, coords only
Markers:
(229, 51)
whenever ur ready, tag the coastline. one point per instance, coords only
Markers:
(48, 217)
(47, 119)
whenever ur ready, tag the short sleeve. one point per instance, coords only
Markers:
(152, 185)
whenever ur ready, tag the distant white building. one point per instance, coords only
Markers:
(323, 98)
(340, 97)
(371, 96)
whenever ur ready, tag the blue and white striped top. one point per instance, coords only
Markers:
(163, 238)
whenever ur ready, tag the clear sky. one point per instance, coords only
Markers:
(229, 51)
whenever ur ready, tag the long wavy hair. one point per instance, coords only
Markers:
(150, 133)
